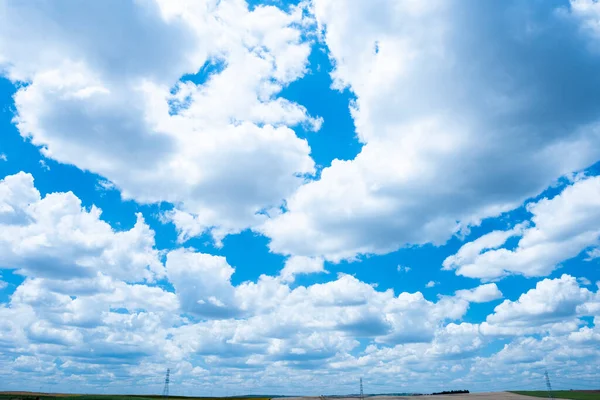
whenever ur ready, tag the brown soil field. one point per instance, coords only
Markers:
(469, 396)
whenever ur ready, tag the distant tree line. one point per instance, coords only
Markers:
(452, 392)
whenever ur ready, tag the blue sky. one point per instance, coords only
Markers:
(283, 197)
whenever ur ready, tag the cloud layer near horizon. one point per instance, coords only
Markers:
(80, 310)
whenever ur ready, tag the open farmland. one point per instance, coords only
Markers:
(565, 394)
(57, 396)
(469, 396)
(519, 395)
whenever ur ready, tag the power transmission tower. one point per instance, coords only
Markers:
(362, 395)
(166, 389)
(548, 385)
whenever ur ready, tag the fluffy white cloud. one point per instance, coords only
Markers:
(588, 11)
(314, 326)
(78, 326)
(452, 342)
(56, 237)
(586, 335)
(551, 300)
(202, 283)
(66, 324)
(480, 294)
(110, 101)
(301, 265)
(456, 125)
(81, 323)
(87, 321)
(553, 305)
(522, 363)
(560, 229)
(271, 310)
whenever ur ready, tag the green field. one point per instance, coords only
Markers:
(47, 396)
(564, 394)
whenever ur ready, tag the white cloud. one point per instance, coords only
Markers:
(44, 165)
(561, 228)
(431, 284)
(271, 310)
(92, 318)
(403, 268)
(301, 265)
(31, 364)
(469, 252)
(452, 342)
(586, 335)
(584, 281)
(440, 120)
(104, 185)
(540, 354)
(593, 254)
(480, 294)
(553, 305)
(55, 236)
(202, 283)
(81, 321)
(588, 12)
(221, 150)
(3, 157)
(276, 332)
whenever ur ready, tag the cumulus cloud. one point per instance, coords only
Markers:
(301, 265)
(455, 124)
(551, 300)
(588, 12)
(290, 330)
(88, 321)
(219, 145)
(561, 228)
(585, 335)
(532, 356)
(56, 237)
(271, 309)
(480, 294)
(553, 305)
(202, 283)
(76, 323)
(454, 342)
(74, 326)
